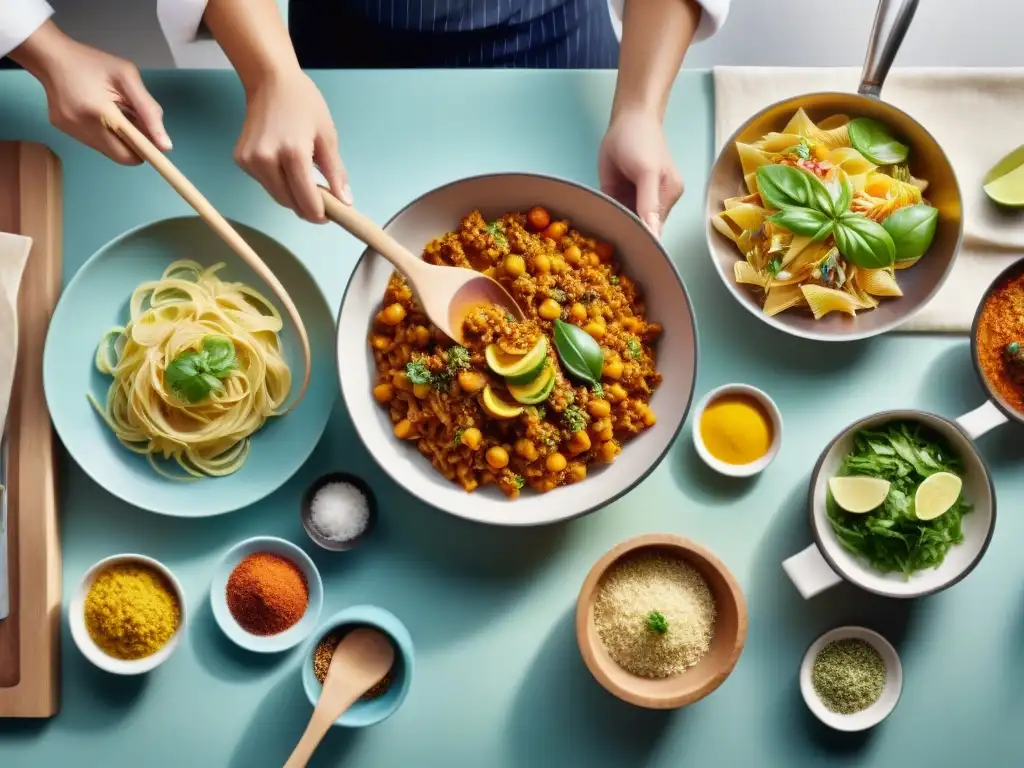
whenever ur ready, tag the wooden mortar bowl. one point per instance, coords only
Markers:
(698, 681)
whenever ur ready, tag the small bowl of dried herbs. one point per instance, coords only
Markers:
(851, 678)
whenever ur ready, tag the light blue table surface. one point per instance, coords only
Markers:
(499, 680)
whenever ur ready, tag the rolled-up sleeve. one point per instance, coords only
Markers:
(712, 17)
(19, 19)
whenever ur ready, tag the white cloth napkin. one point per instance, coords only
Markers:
(14, 250)
(976, 115)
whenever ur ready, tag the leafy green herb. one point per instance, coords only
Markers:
(495, 228)
(774, 266)
(873, 140)
(804, 221)
(864, 242)
(575, 417)
(510, 317)
(891, 538)
(634, 347)
(801, 150)
(614, 279)
(458, 436)
(417, 372)
(656, 622)
(783, 187)
(579, 352)
(518, 482)
(912, 230)
(557, 294)
(457, 357)
(900, 172)
(194, 374)
(598, 389)
(540, 410)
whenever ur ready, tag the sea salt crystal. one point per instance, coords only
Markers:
(340, 511)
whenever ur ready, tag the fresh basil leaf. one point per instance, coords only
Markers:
(185, 378)
(912, 230)
(821, 198)
(803, 221)
(210, 381)
(219, 354)
(873, 140)
(863, 242)
(783, 186)
(841, 191)
(579, 352)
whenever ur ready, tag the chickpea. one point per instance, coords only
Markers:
(578, 312)
(573, 256)
(577, 472)
(579, 442)
(514, 265)
(559, 267)
(471, 381)
(548, 485)
(556, 230)
(538, 218)
(401, 381)
(608, 451)
(604, 252)
(599, 408)
(595, 329)
(648, 416)
(541, 264)
(615, 393)
(384, 393)
(591, 258)
(526, 449)
(471, 438)
(555, 462)
(392, 314)
(379, 341)
(421, 390)
(490, 272)
(631, 324)
(421, 335)
(497, 457)
(403, 429)
(550, 309)
(602, 429)
(612, 367)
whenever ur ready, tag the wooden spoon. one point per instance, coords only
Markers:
(124, 129)
(361, 660)
(447, 294)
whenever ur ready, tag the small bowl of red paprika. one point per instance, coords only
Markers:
(266, 594)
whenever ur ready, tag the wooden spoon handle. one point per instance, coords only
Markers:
(123, 128)
(365, 229)
(319, 724)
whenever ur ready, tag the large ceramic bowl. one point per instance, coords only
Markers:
(97, 299)
(643, 259)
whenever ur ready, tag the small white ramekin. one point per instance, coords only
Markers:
(771, 410)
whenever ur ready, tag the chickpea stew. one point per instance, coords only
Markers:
(505, 409)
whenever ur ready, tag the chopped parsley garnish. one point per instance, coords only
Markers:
(517, 481)
(495, 229)
(458, 436)
(633, 345)
(418, 373)
(774, 266)
(457, 357)
(656, 622)
(510, 317)
(575, 417)
(801, 150)
(598, 389)
(557, 294)
(614, 279)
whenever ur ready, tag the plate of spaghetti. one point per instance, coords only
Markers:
(532, 421)
(171, 373)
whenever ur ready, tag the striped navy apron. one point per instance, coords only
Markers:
(541, 34)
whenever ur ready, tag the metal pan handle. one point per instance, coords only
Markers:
(892, 20)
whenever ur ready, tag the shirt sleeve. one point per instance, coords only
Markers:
(19, 19)
(712, 17)
(181, 20)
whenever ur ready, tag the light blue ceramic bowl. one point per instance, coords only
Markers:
(364, 713)
(97, 299)
(219, 601)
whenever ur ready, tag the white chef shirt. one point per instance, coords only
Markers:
(19, 19)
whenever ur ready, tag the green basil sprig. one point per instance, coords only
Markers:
(806, 206)
(579, 352)
(873, 140)
(912, 230)
(193, 374)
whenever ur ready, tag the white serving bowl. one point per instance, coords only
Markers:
(771, 411)
(643, 259)
(877, 712)
(85, 643)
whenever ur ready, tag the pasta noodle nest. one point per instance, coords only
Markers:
(170, 317)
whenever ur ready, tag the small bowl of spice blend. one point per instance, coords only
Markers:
(338, 511)
(128, 614)
(737, 430)
(851, 678)
(266, 594)
(660, 621)
(384, 699)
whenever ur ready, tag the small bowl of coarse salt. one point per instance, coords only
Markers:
(338, 511)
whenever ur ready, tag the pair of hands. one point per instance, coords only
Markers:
(288, 129)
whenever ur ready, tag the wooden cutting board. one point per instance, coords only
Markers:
(30, 205)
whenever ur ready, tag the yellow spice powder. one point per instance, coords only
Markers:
(131, 611)
(736, 429)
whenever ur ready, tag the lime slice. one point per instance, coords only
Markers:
(858, 494)
(936, 495)
(1004, 183)
(521, 368)
(536, 391)
(498, 408)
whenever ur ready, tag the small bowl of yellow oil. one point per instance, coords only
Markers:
(737, 430)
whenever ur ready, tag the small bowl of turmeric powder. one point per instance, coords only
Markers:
(128, 614)
(737, 430)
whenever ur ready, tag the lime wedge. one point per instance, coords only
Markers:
(1004, 183)
(936, 495)
(522, 369)
(496, 407)
(858, 494)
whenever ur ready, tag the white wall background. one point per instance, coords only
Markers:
(945, 33)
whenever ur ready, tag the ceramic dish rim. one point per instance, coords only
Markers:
(738, 470)
(78, 276)
(710, 232)
(511, 521)
(305, 510)
(88, 647)
(266, 644)
(1015, 269)
(893, 414)
(884, 648)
